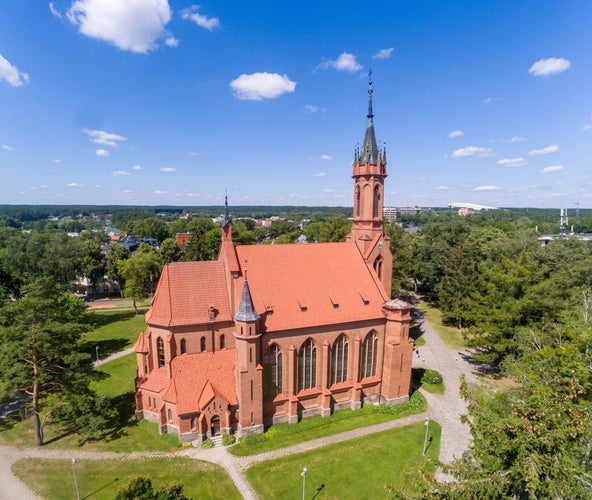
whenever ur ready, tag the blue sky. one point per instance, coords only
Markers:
(172, 102)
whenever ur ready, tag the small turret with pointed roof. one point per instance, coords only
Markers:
(246, 310)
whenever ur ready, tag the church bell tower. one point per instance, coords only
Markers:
(369, 172)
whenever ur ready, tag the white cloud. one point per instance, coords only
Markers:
(11, 75)
(328, 190)
(120, 173)
(320, 174)
(193, 153)
(55, 11)
(517, 138)
(551, 66)
(133, 25)
(326, 157)
(171, 41)
(136, 167)
(103, 138)
(383, 53)
(206, 22)
(544, 151)
(309, 108)
(586, 127)
(512, 162)
(56, 160)
(74, 185)
(456, 133)
(168, 169)
(127, 191)
(158, 191)
(259, 86)
(6, 147)
(486, 188)
(490, 100)
(102, 152)
(554, 168)
(443, 188)
(472, 151)
(345, 62)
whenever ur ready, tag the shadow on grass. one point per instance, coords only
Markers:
(98, 490)
(106, 347)
(101, 319)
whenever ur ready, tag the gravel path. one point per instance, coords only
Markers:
(446, 409)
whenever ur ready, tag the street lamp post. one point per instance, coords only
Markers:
(303, 474)
(425, 441)
(97, 349)
(75, 480)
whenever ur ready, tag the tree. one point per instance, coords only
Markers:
(140, 488)
(115, 256)
(39, 334)
(458, 285)
(533, 441)
(92, 264)
(140, 271)
(169, 250)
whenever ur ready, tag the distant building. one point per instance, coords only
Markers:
(275, 333)
(545, 239)
(470, 206)
(132, 243)
(394, 213)
(182, 239)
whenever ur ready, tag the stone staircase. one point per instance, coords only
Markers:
(217, 440)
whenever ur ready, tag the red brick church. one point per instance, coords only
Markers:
(274, 333)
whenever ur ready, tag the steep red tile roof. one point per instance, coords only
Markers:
(155, 381)
(228, 253)
(186, 290)
(198, 377)
(309, 285)
(141, 344)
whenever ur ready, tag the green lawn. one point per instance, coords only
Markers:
(127, 436)
(282, 435)
(452, 337)
(100, 479)
(384, 465)
(113, 331)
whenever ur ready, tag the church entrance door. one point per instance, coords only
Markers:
(215, 425)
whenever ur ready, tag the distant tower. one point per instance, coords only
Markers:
(563, 222)
(369, 172)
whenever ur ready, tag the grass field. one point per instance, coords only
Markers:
(100, 479)
(452, 337)
(127, 436)
(384, 465)
(281, 435)
(113, 331)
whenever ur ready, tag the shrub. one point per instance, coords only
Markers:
(431, 377)
(228, 439)
(208, 443)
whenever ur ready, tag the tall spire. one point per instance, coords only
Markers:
(226, 214)
(369, 152)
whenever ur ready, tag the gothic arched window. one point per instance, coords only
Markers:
(272, 371)
(378, 267)
(339, 359)
(160, 351)
(358, 201)
(376, 201)
(369, 355)
(202, 344)
(222, 342)
(183, 346)
(307, 366)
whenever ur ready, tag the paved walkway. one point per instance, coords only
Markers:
(446, 409)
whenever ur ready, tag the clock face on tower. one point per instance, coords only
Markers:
(380, 244)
